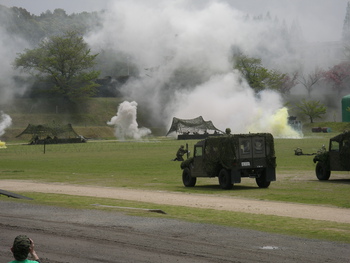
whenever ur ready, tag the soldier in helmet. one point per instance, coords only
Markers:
(180, 153)
(22, 246)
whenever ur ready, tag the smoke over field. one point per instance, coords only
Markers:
(5, 122)
(183, 54)
(125, 122)
(179, 54)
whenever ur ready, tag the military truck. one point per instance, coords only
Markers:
(337, 158)
(232, 157)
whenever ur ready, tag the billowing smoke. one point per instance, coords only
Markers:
(5, 122)
(232, 104)
(9, 47)
(182, 50)
(125, 122)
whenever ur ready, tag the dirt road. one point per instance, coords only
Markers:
(69, 235)
(316, 212)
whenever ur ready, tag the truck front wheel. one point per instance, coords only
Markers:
(322, 173)
(187, 179)
(225, 179)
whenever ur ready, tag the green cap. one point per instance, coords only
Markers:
(21, 247)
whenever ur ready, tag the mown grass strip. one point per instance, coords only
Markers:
(148, 165)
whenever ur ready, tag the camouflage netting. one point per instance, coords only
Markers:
(51, 130)
(341, 137)
(220, 151)
(226, 156)
(192, 125)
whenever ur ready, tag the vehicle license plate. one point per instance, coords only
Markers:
(245, 163)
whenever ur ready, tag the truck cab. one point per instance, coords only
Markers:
(335, 159)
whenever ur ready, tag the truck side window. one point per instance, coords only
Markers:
(198, 151)
(334, 146)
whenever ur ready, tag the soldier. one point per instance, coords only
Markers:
(180, 153)
(298, 151)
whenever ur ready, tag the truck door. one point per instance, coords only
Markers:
(334, 156)
(197, 170)
(259, 151)
(245, 152)
(252, 152)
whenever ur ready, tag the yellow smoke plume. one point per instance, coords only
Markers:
(276, 124)
(2, 145)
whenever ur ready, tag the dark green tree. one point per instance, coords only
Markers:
(258, 77)
(66, 62)
(311, 108)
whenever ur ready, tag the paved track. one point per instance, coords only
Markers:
(87, 236)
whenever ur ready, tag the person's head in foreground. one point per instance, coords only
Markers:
(21, 247)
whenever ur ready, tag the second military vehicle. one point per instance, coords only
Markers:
(337, 158)
(231, 157)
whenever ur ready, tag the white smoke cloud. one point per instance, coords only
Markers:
(125, 122)
(5, 122)
(233, 104)
(10, 46)
(169, 36)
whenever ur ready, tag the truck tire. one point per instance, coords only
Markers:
(225, 179)
(261, 181)
(187, 179)
(322, 173)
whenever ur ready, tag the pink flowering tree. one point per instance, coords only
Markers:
(338, 76)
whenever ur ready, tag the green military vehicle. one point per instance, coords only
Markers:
(231, 157)
(337, 158)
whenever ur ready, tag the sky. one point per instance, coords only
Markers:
(320, 20)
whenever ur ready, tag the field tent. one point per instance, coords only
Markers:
(51, 133)
(45, 130)
(196, 125)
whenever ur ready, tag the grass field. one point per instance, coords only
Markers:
(147, 165)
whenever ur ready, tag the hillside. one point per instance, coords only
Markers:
(89, 120)
(336, 127)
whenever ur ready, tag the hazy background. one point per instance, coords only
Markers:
(321, 20)
(182, 49)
